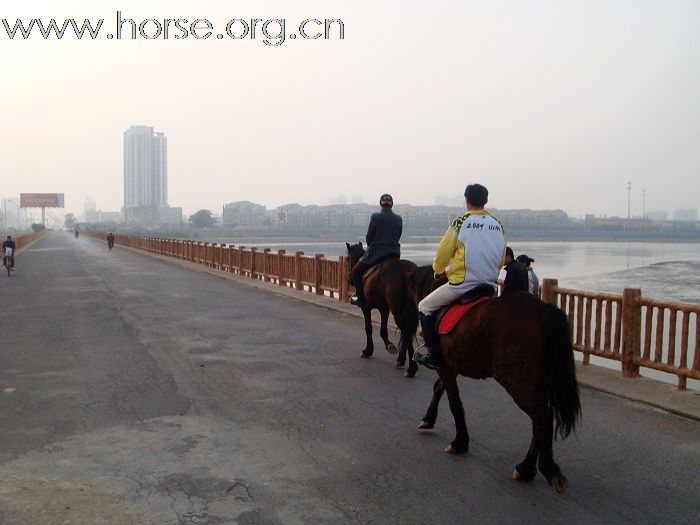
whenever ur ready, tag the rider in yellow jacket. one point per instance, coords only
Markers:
(471, 253)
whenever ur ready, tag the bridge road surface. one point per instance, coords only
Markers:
(135, 391)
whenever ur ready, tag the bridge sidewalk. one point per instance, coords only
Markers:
(643, 390)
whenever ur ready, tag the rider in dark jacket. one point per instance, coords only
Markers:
(516, 276)
(383, 235)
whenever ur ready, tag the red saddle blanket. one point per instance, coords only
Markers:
(454, 313)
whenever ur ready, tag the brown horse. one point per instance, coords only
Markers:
(386, 289)
(525, 345)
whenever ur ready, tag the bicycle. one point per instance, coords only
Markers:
(8, 261)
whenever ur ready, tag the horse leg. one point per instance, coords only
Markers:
(412, 365)
(384, 330)
(549, 469)
(408, 332)
(460, 444)
(401, 356)
(431, 415)
(526, 470)
(369, 348)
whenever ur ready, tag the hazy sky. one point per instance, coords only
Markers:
(550, 104)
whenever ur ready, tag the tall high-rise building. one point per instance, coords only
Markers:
(146, 178)
(145, 168)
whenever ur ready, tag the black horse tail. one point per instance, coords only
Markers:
(560, 370)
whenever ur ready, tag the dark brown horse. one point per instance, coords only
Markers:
(525, 345)
(387, 290)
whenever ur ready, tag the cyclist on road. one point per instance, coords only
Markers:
(8, 252)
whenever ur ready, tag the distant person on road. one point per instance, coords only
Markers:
(471, 252)
(8, 250)
(516, 276)
(383, 235)
(110, 240)
(533, 283)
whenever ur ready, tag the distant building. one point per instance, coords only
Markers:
(617, 223)
(657, 216)
(532, 219)
(146, 178)
(244, 213)
(145, 167)
(100, 217)
(688, 215)
(90, 205)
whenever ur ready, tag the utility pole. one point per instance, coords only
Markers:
(644, 204)
(629, 196)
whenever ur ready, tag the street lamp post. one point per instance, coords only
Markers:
(629, 194)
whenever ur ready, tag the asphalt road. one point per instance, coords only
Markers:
(137, 391)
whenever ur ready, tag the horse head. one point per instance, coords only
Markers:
(355, 253)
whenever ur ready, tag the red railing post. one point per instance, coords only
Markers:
(631, 331)
(317, 273)
(549, 291)
(266, 268)
(342, 279)
(297, 271)
(280, 266)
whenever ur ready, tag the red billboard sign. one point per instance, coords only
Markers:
(41, 200)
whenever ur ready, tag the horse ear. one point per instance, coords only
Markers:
(360, 244)
(348, 245)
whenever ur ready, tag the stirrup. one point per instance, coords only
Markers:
(427, 359)
(356, 301)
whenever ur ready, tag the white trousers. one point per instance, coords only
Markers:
(441, 297)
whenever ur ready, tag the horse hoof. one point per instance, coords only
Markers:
(524, 472)
(391, 348)
(519, 476)
(400, 364)
(365, 355)
(453, 448)
(559, 483)
(424, 425)
(410, 374)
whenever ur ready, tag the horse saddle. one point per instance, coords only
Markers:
(448, 316)
(371, 270)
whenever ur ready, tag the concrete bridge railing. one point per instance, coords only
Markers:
(636, 331)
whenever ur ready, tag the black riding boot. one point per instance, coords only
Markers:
(431, 357)
(359, 298)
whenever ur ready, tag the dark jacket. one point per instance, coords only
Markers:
(516, 278)
(9, 244)
(383, 235)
